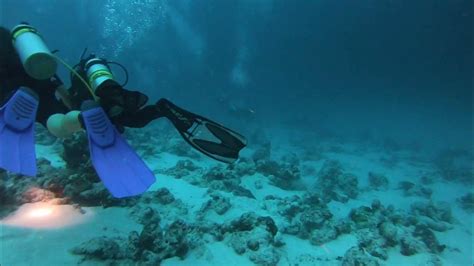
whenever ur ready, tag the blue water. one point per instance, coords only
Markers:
(396, 68)
(397, 74)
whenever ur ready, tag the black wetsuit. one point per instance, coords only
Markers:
(125, 108)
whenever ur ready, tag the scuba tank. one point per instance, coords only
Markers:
(91, 75)
(97, 71)
(38, 62)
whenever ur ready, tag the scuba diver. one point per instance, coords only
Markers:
(31, 91)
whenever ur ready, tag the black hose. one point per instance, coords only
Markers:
(83, 53)
(80, 62)
(124, 70)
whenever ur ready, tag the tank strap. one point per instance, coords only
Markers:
(22, 30)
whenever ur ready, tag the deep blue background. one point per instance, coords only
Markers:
(400, 69)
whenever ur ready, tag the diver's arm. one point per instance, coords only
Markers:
(139, 118)
(63, 93)
(61, 124)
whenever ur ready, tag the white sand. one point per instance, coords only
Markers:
(50, 247)
(22, 246)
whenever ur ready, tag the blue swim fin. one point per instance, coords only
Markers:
(117, 164)
(17, 133)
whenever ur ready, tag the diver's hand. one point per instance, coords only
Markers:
(116, 100)
(115, 121)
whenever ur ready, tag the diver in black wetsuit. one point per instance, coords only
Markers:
(124, 108)
(13, 76)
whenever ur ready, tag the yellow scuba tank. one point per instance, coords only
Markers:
(38, 62)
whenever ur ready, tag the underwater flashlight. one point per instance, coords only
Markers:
(46, 215)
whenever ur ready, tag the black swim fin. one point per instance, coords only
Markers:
(208, 137)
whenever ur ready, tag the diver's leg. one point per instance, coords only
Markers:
(141, 118)
(206, 136)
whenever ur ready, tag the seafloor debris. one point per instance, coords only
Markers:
(377, 227)
(170, 233)
(384, 227)
(178, 146)
(100, 248)
(440, 212)
(335, 184)
(76, 151)
(455, 165)
(182, 169)
(161, 196)
(163, 199)
(17, 189)
(358, 256)
(145, 142)
(8, 200)
(428, 237)
(428, 178)
(284, 174)
(152, 245)
(156, 244)
(219, 203)
(35, 194)
(378, 181)
(220, 178)
(250, 234)
(467, 202)
(308, 217)
(262, 153)
(412, 189)
(85, 188)
(255, 236)
(44, 137)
